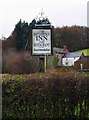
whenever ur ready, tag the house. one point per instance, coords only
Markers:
(59, 53)
(70, 58)
(65, 58)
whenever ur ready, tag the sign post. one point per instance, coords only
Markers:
(41, 44)
(45, 63)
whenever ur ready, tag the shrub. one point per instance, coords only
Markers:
(45, 96)
(55, 61)
(14, 62)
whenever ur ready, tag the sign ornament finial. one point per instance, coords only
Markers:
(41, 14)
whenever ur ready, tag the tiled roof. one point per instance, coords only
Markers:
(73, 54)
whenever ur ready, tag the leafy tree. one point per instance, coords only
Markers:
(74, 37)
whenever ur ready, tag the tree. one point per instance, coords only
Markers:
(22, 35)
(74, 37)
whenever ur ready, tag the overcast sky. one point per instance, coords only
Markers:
(59, 12)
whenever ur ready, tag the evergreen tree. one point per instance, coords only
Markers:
(22, 35)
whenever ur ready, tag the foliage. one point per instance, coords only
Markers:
(55, 61)
(9, 43)
(74, 37)
(15, 62)
(22, 35)
(55, 94)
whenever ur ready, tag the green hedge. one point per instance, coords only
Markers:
(47, 95)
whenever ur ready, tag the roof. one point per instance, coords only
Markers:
(73, 54)
(55, 49)
(58, 50)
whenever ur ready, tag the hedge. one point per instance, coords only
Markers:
(50, 95)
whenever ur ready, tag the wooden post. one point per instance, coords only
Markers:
(41, 64)
(45, 63)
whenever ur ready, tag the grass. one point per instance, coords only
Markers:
(85, 52)
(84, 74)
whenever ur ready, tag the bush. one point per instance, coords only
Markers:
(15, 63)
(55, 61)
(48, 95)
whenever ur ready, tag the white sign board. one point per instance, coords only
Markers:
(41, 41)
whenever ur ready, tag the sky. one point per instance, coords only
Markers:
(59, 12)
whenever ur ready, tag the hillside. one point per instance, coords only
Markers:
(85, 52)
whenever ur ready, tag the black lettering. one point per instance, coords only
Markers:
(45, 37)
(37, 38)
(40, 38)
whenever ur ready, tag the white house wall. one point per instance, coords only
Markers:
(68, 61)
(76, 58)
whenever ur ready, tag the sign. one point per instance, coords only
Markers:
(41, 41)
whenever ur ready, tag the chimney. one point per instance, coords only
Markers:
(65, 49)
